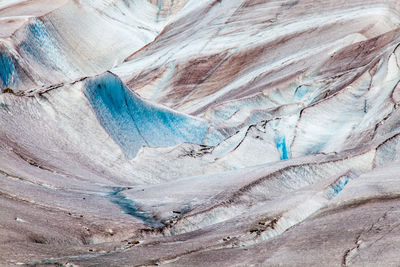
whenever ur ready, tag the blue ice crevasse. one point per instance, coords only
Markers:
(301, 91)
(129, 207)
(133, 122)
(338, 186)
(7, 70)
(282, 148)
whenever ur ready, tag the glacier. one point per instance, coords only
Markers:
(199, 133)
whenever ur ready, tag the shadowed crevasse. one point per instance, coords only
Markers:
(128, 206)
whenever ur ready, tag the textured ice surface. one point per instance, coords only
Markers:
(199, 133)
(134, 123)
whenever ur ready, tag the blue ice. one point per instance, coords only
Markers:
(277, 95)
(36, 41)
(282, 148)
(159, 6)
(317, 147)
(7, 70)
(39, 45)
(133, 123)
(129, 207)
(37, 29)
(338, 187)
(5, 107)
(301, 91)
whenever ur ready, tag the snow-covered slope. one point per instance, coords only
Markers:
(187, 133)
(56, 43)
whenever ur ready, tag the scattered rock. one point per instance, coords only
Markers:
(263, 225)
(7, 90)
(110, 232)
(254, 230)
(273, 223)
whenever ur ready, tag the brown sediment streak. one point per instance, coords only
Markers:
(359, 54)
(145, 77)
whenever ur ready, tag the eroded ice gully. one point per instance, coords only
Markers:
(190, 133)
